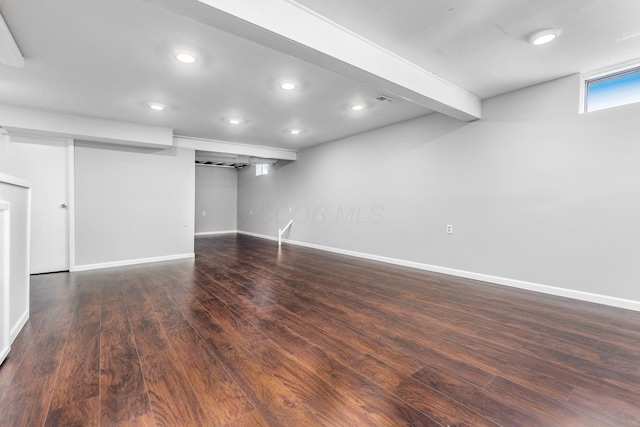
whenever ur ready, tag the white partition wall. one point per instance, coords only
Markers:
(5, 340)
(133, 205)
(14, 255)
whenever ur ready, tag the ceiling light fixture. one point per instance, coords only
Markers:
(186, 57)
(287, 85)
(295, 131)
(155, 106)
(234, 121)
(357, 107)
(543, 37)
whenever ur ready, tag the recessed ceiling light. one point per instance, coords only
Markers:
(295, 131)
(357, 107)
(186, 57)
(234, 121)
(156, 106)
(287, 85)
(543, 37)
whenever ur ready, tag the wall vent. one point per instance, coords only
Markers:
(385, 98)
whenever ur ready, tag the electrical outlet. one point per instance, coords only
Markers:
(204, 213)
(449, 229)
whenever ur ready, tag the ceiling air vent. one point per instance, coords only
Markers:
(385, 98)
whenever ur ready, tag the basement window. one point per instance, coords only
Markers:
(262, 170)
(612, 89)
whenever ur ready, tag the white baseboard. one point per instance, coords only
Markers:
(536, 287)
(215, 233)
(15, 330)
(4, 352)
(123, 263)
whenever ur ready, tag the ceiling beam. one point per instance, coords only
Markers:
(290, 28)
(9, 51)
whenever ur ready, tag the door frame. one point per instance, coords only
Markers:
(72, 203)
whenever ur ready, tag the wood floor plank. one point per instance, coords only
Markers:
(18, 350)
(79, 374)
(156, 292)
(339, 347)
(609, 402)
(276, 403)
(263, 319)
(26, 403)
(174, 401)
(147, 330)
(251, 419)
(85, 412)
(382, 406)
(242, 332)
(119, 365)
(44, 355)
(114, 316)
(322, 399)
(221, 398)
(198, 317)
(531, 371)
(621, 372)
(129, 409)
(400, 361)
(429, 400)
(123, 393)
(553, 413)
(168, 313)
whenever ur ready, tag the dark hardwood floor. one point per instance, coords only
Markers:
(249, 335)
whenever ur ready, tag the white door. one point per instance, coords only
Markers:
(45, 164)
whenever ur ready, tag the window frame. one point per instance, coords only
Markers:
(614, 71)
(262, 169)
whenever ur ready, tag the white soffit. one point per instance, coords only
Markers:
(208, 145)
(290, 28)
(38, 122)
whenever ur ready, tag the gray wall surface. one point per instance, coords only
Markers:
(535, 192)
(217, 196)
(132, 203)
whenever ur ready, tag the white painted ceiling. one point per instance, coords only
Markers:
(481, 45)
(109, 58)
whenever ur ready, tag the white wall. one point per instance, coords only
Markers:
(217, 198)
(132, 204)
(5, 337)
(535, 191)
(17, 193)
